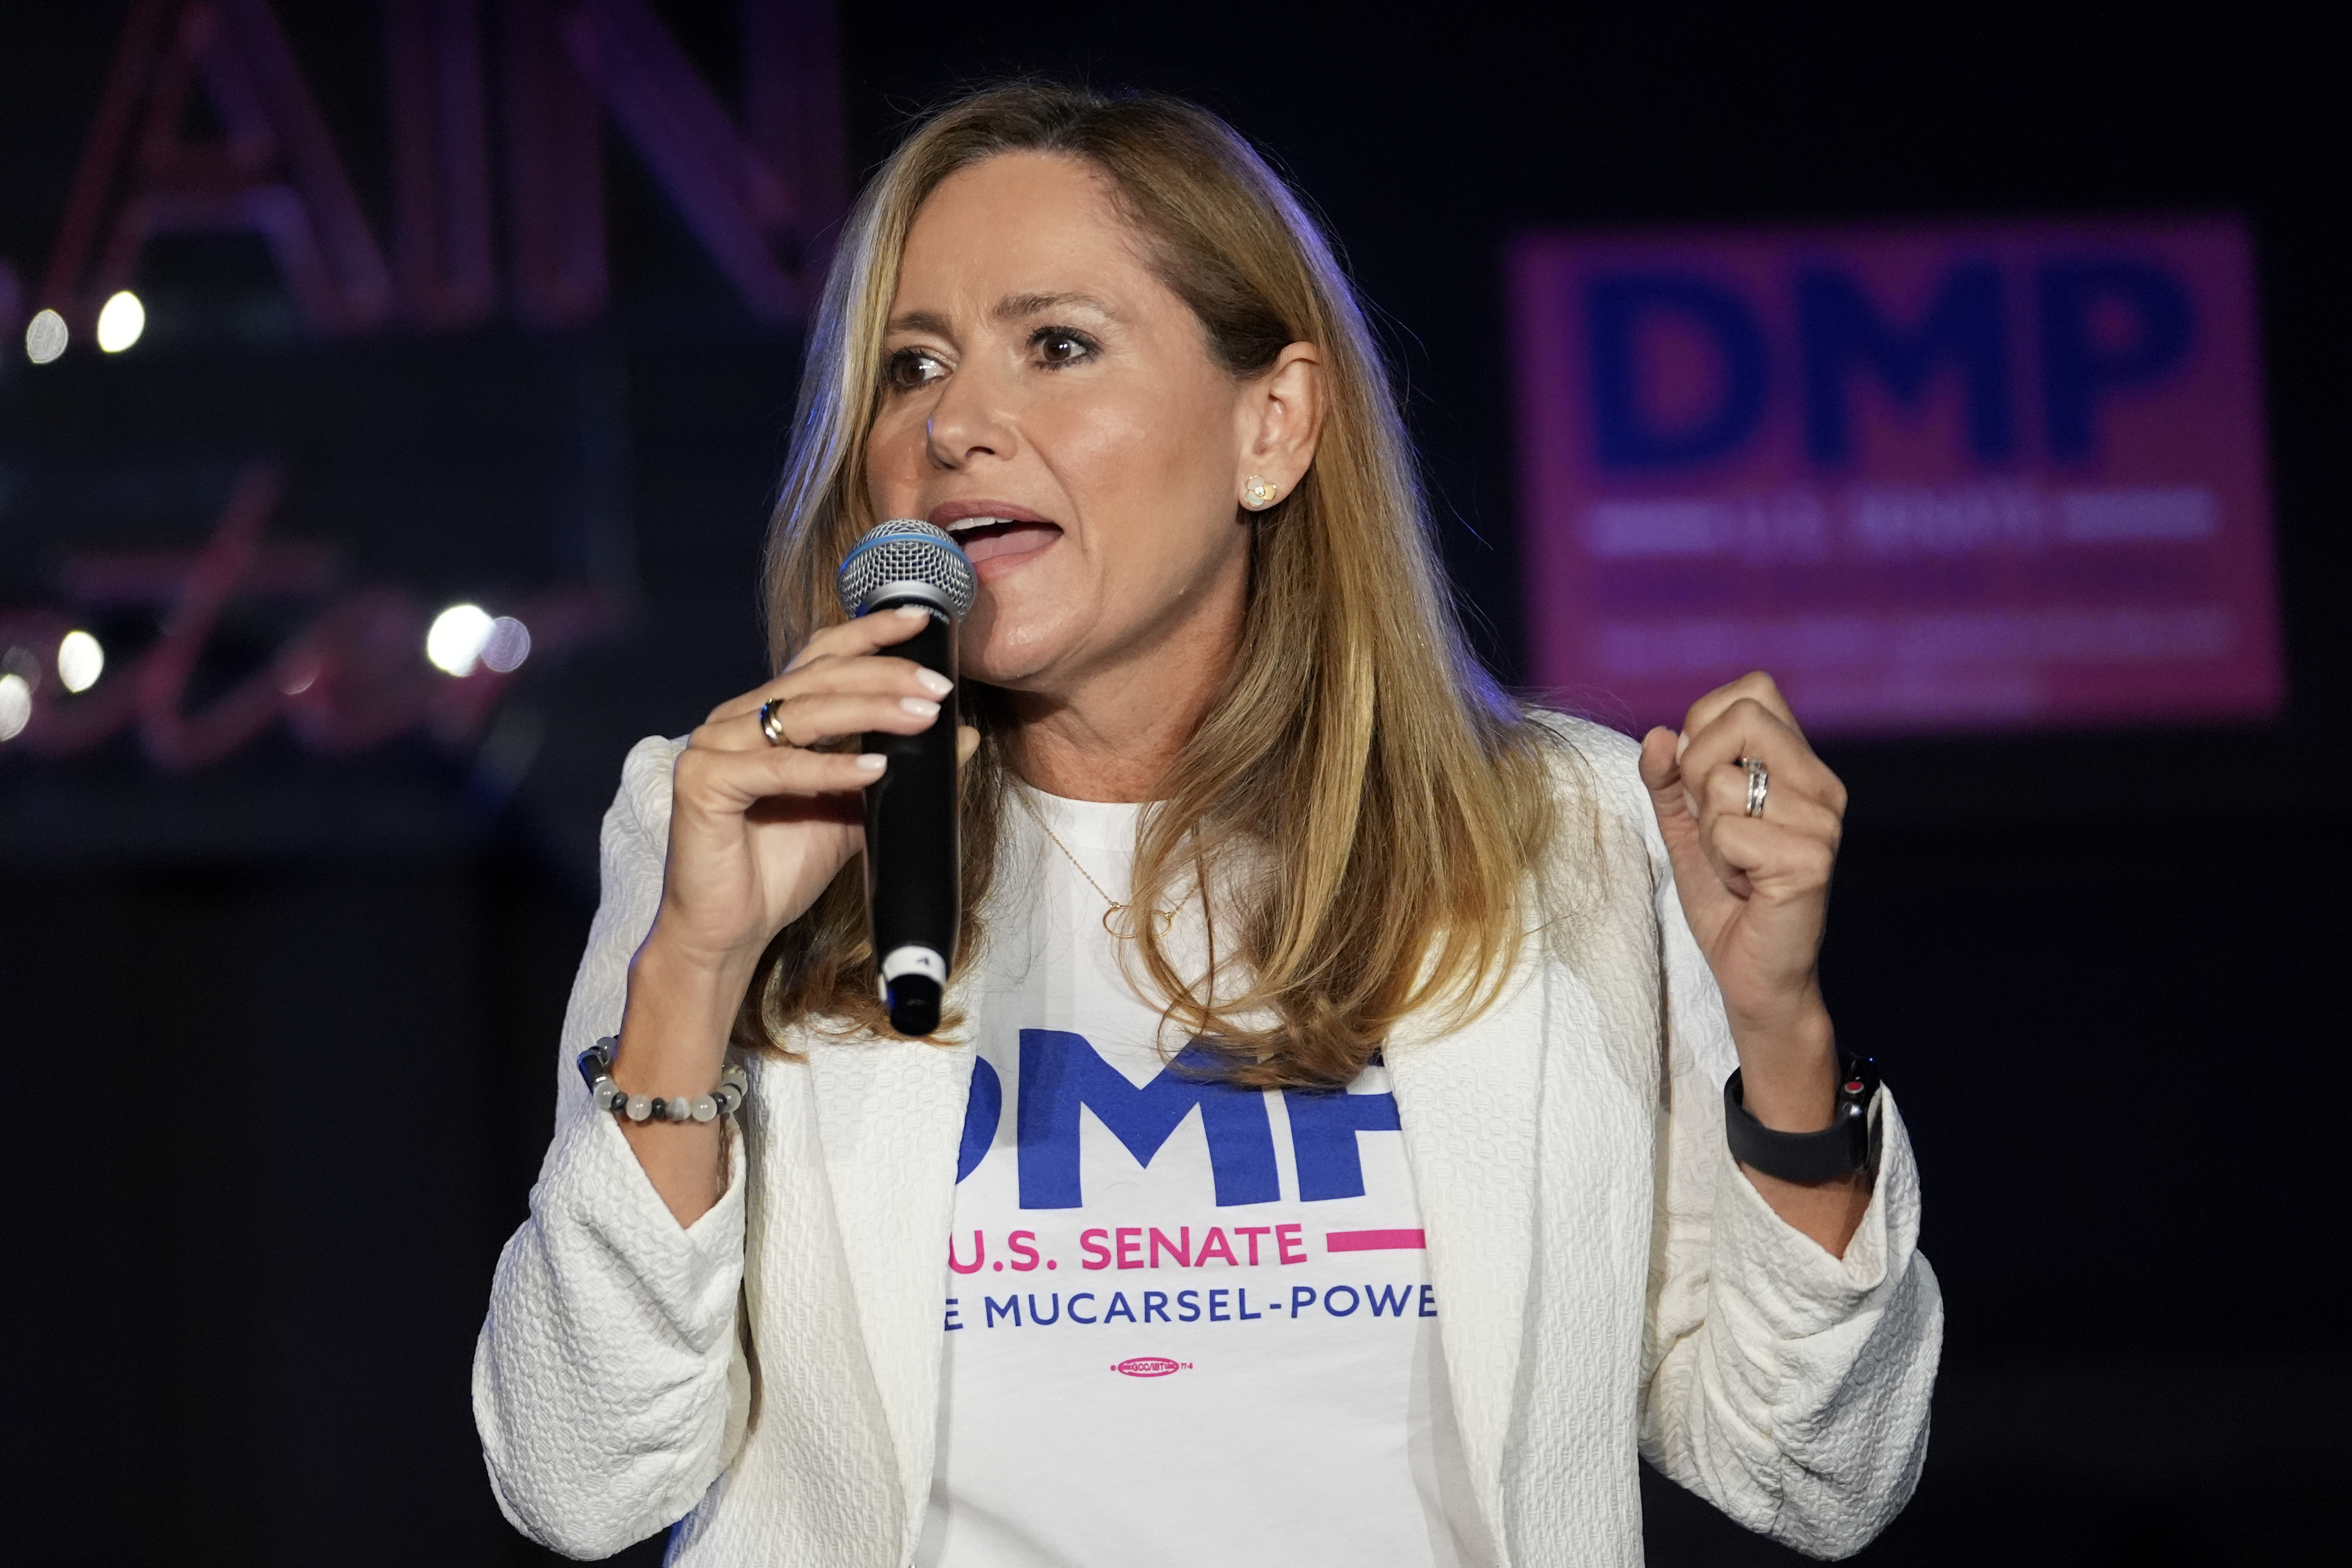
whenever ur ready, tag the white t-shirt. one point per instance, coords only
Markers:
(1187, 1323)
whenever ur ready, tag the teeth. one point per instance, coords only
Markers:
(966, 524)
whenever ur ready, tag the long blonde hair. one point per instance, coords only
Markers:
(1388, 799)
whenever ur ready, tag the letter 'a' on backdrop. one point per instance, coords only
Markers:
(1933, 477)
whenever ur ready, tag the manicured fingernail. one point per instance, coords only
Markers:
(933, 681)
(912, 612)
(921, 707)
(871, 762)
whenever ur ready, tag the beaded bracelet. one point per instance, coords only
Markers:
(596, 1069)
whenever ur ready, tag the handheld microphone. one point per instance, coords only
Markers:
(914, 880)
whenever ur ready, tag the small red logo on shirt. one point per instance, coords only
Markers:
(1150, 1366)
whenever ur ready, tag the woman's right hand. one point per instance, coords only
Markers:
(756, 832)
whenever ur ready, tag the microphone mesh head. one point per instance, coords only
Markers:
(905, 549)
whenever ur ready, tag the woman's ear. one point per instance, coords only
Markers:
(1279, 420)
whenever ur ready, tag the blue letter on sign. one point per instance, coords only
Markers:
(2076, 367)
(1323, 1127)
(1837, 328)
(1060, 1072)
(981, 1110)
(1614, 309)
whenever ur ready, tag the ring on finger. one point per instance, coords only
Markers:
(772, 722)
(1760, 784)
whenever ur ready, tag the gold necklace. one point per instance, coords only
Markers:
(1167, 917)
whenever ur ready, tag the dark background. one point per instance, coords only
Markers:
(278, 1032)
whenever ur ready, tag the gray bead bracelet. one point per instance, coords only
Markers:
(596, 1069)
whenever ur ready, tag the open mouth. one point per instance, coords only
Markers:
(988, 538)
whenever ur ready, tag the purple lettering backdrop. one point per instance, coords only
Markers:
(1933, 477)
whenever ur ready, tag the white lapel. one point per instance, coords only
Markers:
(1467, 1102)
(888, 1113)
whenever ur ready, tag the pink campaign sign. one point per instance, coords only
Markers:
(1933, 477)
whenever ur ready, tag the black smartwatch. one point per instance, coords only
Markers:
(1845, 1146)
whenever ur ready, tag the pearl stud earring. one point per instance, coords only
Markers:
(1257, 495)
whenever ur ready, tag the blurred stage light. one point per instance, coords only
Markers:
(16, 705)
(458, 638)
(507, 645)
(121, 323)
(80, 661)
(46, 337)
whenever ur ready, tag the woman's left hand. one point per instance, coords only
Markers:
(1756, 889)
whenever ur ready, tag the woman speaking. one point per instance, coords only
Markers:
(1333, 1150)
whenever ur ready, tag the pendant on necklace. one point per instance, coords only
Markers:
(1167, 920)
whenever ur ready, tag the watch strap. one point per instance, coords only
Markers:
(1841, 1149)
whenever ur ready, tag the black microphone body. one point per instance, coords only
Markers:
(914, 870)
(914, 881)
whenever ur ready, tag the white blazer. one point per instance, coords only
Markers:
(770, 1376)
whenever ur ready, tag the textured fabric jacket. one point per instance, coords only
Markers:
(1610, 1282)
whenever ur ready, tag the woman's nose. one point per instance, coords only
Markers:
(967, 422)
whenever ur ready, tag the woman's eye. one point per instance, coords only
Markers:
(912, 368)
(1057, 347)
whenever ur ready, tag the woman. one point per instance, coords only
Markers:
(1329, 1150)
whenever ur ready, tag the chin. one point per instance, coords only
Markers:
(1016, 659)
(1016, 635)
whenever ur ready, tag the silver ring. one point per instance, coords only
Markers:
(771, 722)
(1760, 784)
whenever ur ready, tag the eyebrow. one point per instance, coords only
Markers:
(920, 322)
(1012, 308)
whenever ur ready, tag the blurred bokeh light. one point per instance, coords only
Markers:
(121, 323)
(453, 645)
(507, 644)
(46, 337)
(80, 661)
(16, 705)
